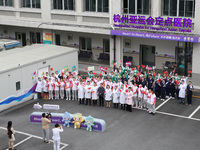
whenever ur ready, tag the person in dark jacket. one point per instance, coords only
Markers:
(101, 91)
(190, 88)
(123, 78)
(150, 82)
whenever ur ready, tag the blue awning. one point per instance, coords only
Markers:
(11, 45)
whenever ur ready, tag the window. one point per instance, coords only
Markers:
(170, 7)
(6, 3)
(97, 5)
(18, 86)
(31, 3)
(85, 43)
(179, 8)
(103, 5)
(63, 4)
(136, 7)
(186, 8)
(106, 45)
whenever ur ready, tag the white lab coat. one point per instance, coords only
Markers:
(129, 99)
(81, 91)
(116, 96)
(39, 86)
(45, 86)
(88, 91)
(122, 98)
(182, 90)
(94, 92)
(108, 96)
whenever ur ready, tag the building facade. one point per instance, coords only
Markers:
(149, 32)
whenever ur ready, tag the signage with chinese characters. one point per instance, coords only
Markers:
(155, 36)
(154, 24)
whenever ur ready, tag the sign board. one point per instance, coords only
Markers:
(47, 38)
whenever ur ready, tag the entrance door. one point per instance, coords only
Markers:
(147, 55)
(184, 57)
(33, 37)
(57, 39)
(23, 39)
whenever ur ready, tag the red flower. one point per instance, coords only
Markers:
(85, 68)
(138, 67)
(133, 69)
(190, 71)
(126, 91)
(143, 66)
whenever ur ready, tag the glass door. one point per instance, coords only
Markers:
(184, 57)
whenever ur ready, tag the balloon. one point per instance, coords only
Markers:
(58, 71)
(51, 69)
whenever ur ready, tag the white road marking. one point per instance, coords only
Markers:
(34, 136)
(169, 114)
(63, 147)
(194, 112)
(22, 141)
(162, 103)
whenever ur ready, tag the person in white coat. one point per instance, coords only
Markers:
(182, 91)
(68, 90)
(51, 88)
(108, 96)
(57, 89)
(122, 98)
(88, 90)
(81, 93)
(45, 87)
(39, 87)
(129, 101)
(152, 103)
(62, 88)
(74, 89)
(135, 98)
(116, 95)
(56, 136)
(140, 95)
(94, 94)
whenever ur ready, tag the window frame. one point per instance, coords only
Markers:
(4, 3)
(136, 8)
(96, 7)
(86, 45)
(104, 50)
(63, 5)
(31, 4)
(178, 9)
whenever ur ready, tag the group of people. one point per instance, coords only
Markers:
(124, 86)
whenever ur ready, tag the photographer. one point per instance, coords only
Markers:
(56, 136)
(45, 127)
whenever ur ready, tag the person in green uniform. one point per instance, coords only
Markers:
(117, 77)
(121, 71)
(176, 77)
(126, 74)
(91, 74)
(104, 75)
(112, 76)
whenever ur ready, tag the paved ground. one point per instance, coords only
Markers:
(174, 127)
